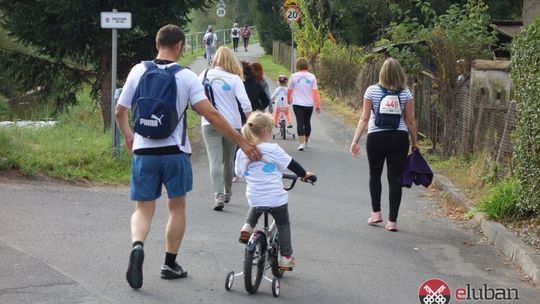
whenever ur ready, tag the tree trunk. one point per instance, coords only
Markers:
(105, 87)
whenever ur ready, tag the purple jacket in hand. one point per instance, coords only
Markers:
(416, 171)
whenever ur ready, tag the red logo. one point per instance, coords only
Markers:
(434, 291)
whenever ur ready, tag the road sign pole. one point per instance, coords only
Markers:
(292, 49)
(113, 86)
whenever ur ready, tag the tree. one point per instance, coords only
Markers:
(270, 22)
(70, 48)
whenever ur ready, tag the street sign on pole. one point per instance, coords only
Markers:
(220, 12)
(292, 13)
(115, 20)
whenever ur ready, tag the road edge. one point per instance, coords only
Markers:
(521, 254)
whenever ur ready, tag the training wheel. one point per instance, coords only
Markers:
(229, 280)
(276, 287)
(274, 136)
(293, 136)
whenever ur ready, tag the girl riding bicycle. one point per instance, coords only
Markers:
(264, 182)
(279, 97)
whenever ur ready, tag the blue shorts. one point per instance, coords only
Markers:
(148, 172)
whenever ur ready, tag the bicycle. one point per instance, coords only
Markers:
(262, 252)
(283, 130)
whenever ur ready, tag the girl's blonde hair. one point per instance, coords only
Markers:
(225, 59)
(392, 76)
(258, 124)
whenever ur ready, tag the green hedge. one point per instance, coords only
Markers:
(526, 82)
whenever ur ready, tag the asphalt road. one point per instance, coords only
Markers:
(61, 243)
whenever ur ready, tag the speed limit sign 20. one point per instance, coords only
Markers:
(292, 13)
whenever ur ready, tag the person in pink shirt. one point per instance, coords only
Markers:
(304, 95)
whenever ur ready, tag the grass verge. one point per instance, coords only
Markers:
(272, 69)
(76, 149)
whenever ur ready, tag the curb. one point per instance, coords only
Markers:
(511, 246)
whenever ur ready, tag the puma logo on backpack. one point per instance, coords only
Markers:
(155, 112)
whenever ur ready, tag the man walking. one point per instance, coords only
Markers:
(210, 40)
(159, 159)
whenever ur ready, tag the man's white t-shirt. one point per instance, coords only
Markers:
(214, 40)
(264, 178)
(303, 83)
(280, 97)
(227, 88)
(188, 88)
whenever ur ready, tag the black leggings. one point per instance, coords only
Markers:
(303, 120)
(391, 146)
(235, 42)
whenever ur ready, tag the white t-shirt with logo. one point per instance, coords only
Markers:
(374, 93)
(188, 88)
(264, 178)
(280, 97)
(303, 83)
(227, 88)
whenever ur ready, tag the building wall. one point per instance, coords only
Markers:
(531, 10)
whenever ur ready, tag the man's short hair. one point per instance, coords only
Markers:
(169, 35)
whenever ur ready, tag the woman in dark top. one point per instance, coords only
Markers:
(257, 96)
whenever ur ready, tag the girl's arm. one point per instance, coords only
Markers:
(362, 123)
(295, 167)
(411, 125)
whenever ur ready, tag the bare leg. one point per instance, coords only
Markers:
(176, 225)
(141, 220)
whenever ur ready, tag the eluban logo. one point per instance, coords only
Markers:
(486, 293)
(434, 291)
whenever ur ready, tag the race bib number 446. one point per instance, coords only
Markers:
(390, 105)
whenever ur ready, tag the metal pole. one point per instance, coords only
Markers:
(292, 50)
(113, 83)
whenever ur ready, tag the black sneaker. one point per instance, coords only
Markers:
(173, 273)
(134, 274)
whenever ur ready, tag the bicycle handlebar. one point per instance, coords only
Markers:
(312, 179)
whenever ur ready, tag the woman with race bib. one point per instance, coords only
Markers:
(388, 112)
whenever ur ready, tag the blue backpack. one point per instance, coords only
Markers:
(389, 112)
(155, 114)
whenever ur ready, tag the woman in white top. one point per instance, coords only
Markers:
(235, 35)
(225, 81)
(304, 95)
(388, 112)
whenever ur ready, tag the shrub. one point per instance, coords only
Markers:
(526, 80)
(338, 68)
(502, 202)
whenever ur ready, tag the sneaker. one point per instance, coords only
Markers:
(219, 202)
(176, 272)
(227, 197)
(289, 126)
(301, 147)
(286, 262)
(391, 226)
(134, 274)
(245, 233)
(375, 218)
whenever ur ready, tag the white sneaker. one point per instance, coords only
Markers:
(301, 147)
(286, 262)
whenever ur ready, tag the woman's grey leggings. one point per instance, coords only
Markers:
(281, 215)
(221, 159)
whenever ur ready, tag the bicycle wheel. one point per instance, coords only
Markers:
(254, 266)
(283, 129)
(273, 261)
